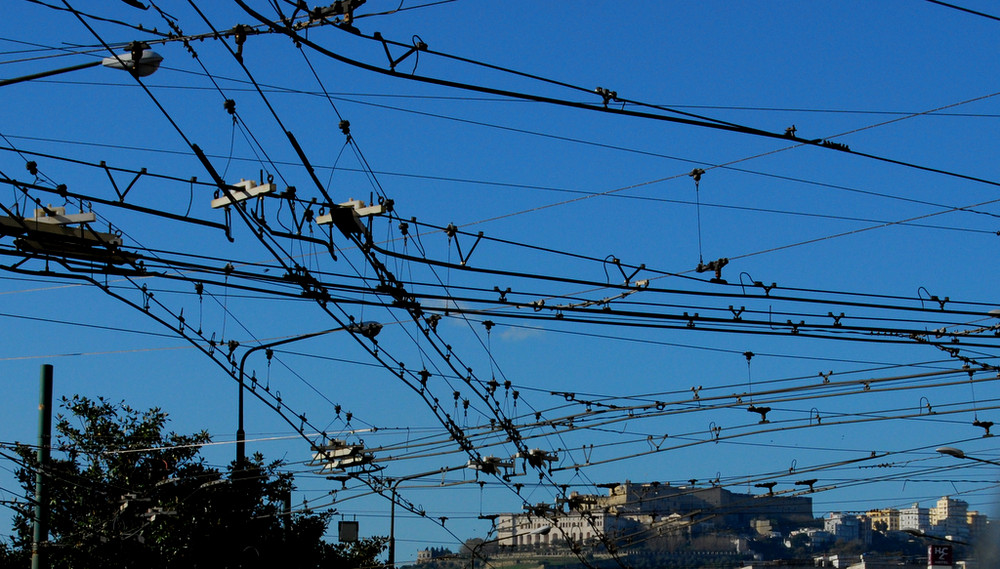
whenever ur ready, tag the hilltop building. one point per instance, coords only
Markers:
(915, 518)
(848, 527)
(526, 530)
(884, 520)
(950, 517)
(817, 537)
(428, 555)
(725, 509)
(629, 510)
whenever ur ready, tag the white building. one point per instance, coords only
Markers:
(848, 527)
(817, 537)
(915, 518)
(560, 528)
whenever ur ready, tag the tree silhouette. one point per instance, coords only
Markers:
(123, 493)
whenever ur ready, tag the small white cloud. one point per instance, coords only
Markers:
(520, 334)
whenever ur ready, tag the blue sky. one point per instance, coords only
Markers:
(557, 192)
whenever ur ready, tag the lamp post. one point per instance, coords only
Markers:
(392, 524)
(140, 60)
(393, 487)
(959, 453)
(366, 329)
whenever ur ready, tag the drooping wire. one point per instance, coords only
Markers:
(700, 122)
(696, 176)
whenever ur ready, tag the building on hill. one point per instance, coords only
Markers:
(631, 512)
(817, 537)
(428, 555)
(724, 508)
(915, 518)
(554, 528)
(950, 517)
(848, 527)
(884, 520)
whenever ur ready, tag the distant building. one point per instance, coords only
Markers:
(848, 527)
(950, 518)
(656, 509)
(870, 561)
(978, 525)
(557, 528)
(817, 537)
(915, 518)
(763, 526)
(428, 555)
(837, 561)
(722, 508)
(884, 520)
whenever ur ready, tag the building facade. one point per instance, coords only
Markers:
(915, 518)
(630, 511)
(558, 528)
(428, 555)
(847, 527)
(713, 505)
(950, 518)
(978, 525)
(887, 519)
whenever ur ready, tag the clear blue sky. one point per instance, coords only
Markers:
(909, 212)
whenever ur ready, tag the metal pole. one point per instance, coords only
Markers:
(366, 329)
(49, 73)
(394, 488)
(392, 528)
(41, 522)
(286, 511)
(240, 433)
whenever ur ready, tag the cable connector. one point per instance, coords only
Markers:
(240, 37)
(606, 94)
(714, 266)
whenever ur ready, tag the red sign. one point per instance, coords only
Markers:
(940, 556)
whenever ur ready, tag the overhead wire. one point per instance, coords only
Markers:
(450, 295)
(695, 120)
(189, 144)
(614, 193)
(966, 10)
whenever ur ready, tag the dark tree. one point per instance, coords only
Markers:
(123, 493)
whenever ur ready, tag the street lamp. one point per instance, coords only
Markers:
(140, 61)
(959, 453)
(393, 487)
(367, 329)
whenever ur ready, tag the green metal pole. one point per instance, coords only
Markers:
(41, 523)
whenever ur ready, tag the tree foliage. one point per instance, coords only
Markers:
(123, 493)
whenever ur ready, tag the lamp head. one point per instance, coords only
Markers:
(951, 451)
(368, 329)
(140, 61)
